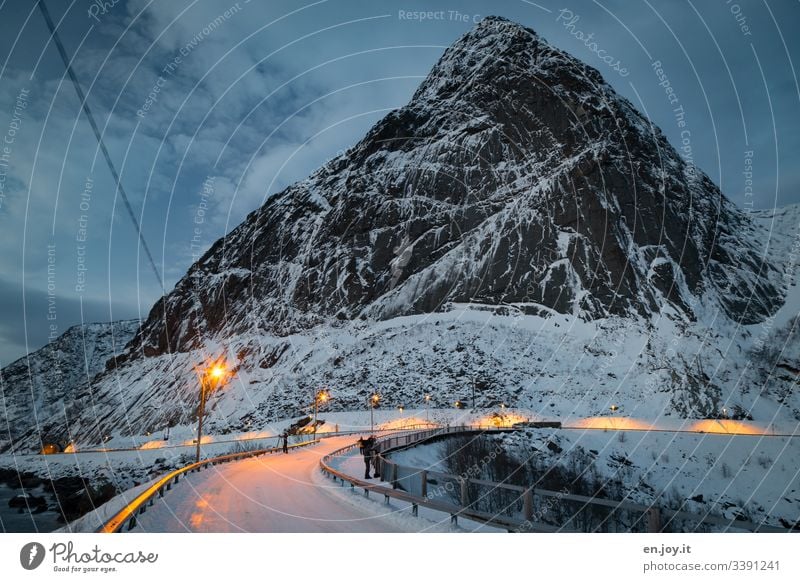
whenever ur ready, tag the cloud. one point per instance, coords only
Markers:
(260, 108)
(31, 328)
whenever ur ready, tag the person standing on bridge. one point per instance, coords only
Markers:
(365, 446)
(285, 437)
(375, 461)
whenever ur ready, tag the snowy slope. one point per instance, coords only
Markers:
(518, 226)
(514, 175)
(40, 386)
(747, 477)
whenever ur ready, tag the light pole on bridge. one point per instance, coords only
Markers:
(211, 377)
(321, 397)
(373, 403)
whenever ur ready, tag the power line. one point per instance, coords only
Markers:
(101, 143)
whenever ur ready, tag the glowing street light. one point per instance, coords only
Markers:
(321, 397)
(211, 377)
(614, 408)
(427, 408)
(373, 404)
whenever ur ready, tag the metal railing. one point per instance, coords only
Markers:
(128, 514)
(516, 507)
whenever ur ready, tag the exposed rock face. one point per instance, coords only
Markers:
(514, 175)
(38, 388)
(590, 256)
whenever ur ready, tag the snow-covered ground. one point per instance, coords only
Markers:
(277, 493)
(753, 477)
(682, 465)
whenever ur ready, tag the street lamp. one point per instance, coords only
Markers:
(373, 402)
(321, 397)
(427, 408)
(211, 378)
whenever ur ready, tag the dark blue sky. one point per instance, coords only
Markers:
(255, 95)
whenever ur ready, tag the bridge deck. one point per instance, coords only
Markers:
(276, 493)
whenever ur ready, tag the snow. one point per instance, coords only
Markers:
(754, 477)
(96, 518)
(276, 493)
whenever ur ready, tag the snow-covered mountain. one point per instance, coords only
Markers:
(38, 388)
(515, 175)
(517, 226)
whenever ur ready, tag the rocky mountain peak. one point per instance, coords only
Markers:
(515, 175)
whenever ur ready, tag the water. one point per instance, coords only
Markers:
(13, 521)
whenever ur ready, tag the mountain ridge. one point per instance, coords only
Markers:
(516, 205)
(331, 246)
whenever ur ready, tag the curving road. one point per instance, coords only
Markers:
(276, 493)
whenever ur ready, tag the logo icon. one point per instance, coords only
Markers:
(31, 555)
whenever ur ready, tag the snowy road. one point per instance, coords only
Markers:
(276, 493)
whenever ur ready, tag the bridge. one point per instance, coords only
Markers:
(319, 487)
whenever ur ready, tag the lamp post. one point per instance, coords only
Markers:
(427, 408)
(373, 402)
(321, 397)
(211, 377)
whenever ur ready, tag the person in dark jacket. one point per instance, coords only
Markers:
(366, 446)
(285, 437)
(376, 461)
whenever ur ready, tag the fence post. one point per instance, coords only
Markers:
(653, 520)
(527, 504)
(423, 476)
